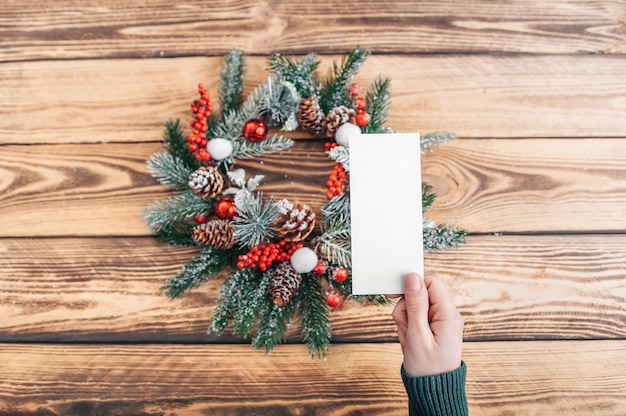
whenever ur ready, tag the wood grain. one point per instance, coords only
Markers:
(507, 288)
(526, 378)
(484, 185)
(471, 95)
(157, 28)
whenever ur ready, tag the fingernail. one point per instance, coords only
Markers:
(414, 282)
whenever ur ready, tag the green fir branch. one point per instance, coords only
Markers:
(245, 149)
(181, 237)
(299, 73)
(280, 102)
(378, 98)
(314, 315)
(200, 269)
(176, 145)
(430, 140)
(231, 82)
(273, 326)
(335, 87)
(254, 220)
(175, 212)
(337, 210)
(428, 197)
(335, 244)
(252, 300)
(169, 170)
(379, 300)
(441, 237)
(234, 294)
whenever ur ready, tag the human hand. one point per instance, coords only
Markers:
(430, 328)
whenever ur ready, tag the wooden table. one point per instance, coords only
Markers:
(536, 92)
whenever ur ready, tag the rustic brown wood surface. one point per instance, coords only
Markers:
(535, 90)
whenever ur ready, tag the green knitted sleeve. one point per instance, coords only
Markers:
(437, 395)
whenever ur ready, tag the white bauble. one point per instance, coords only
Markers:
(219, 149)
(303, 260)
(345, 132)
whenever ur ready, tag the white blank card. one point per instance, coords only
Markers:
(386, 211)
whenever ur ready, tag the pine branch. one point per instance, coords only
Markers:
(200, 269)
(169, 170)
(337, 210)
(314, 315)
(244, 149)
(430, 140)
(175, 212)
(181, 238)
(335, 88)
(428, 197)
(253, 222)
(274, 325)
(280, 102)
(299, 73)
(340, 154)
(335, 244)
(231, 82)
(378, 98)
(176, 144)
(235, 292)
(441, 237)
(380, 300)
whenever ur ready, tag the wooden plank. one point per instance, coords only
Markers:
(507, 288)
(534, 185)
(473, 95)
(539, 378)
(155, 28)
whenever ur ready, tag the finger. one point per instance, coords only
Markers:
(440, 300)
(399, 313)
(417, 304)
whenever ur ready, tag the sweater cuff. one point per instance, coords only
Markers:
(439, 394)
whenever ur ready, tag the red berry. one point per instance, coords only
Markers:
(320, 267)
(340, 274)
(360, 103)
(355, 89)
(333, 299)
(362, 118)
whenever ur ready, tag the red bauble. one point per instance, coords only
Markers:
(225, 208)
(333, 299)
(201, 218)
(355, 89)
(340, 274)
(320, 267)
(362, 118)
(255, 130)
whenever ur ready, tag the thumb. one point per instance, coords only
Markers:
(416, 298)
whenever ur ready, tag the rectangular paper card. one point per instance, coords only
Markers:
(386, 212)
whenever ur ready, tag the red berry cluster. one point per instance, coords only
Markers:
(265, 255)
(362, 118)
(336, 182)
(330, 145)
(201, 111)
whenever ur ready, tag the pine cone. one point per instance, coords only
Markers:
(336, 117)
(206, 182)
(310, 115)
(216, 233)
(295, 222)
(284, 284)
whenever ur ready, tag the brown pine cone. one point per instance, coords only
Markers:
(206, 182)
(216, 233)
(295, 221)
(284, 284)
(336, 117)
(310, 115)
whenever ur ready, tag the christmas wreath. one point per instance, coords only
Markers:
(281, 261)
